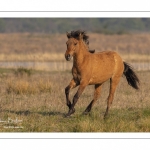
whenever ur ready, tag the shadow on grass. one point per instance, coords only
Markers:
(20, 112)
(28, 112)
(51, 113)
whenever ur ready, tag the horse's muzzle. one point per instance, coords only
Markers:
(68, 57)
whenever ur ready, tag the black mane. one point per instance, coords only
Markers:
(75, 34)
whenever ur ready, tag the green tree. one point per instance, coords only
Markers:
(2, 26)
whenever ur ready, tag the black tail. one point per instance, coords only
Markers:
(131, 76)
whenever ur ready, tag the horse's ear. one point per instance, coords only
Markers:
(80, 36)
(68, 35)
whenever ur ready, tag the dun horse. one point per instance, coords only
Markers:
(94, 69)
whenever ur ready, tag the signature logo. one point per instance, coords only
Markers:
(10, 123)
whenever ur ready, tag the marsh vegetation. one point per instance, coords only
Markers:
(37, 97)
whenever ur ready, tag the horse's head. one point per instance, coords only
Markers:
(72, 46)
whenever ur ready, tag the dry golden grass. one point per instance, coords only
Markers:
(28, 43)
(39, 100)
(42, 57)
(26, 86)
(33, 57)
(43, 111)
(51, 47)
(136, 57)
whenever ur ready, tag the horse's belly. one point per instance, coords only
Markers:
(99, 79)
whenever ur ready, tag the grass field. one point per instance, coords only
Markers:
(38, 99)
(34, 101)
(51, 47)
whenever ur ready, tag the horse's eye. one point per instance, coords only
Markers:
(75, 43)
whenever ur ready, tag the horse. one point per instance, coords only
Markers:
(94, 69)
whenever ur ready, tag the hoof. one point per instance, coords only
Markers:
(85, 113)
(66, 116)
(105, 116)
(71, 111)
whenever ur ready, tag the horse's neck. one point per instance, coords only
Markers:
(80, 55)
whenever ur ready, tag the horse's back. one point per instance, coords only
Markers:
(106, 64)
(111, 58)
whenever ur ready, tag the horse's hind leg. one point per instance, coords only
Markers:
(113, 85)
(96, 96)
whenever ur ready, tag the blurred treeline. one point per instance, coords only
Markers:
(61, 25)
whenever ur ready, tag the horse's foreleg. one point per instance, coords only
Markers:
(97, 91)
(113, 85)
(75, 99)
(72, 85)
